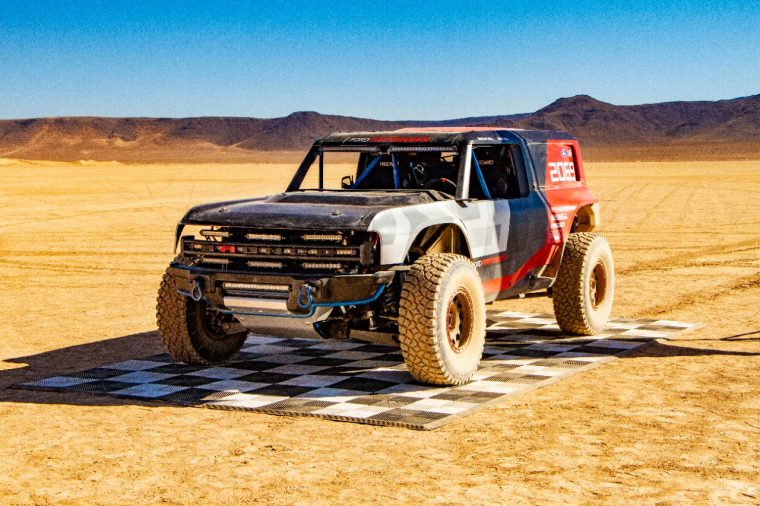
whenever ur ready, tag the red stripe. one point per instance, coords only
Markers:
(506, 282)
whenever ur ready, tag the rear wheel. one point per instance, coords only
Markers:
(442, 319)
(191, 331)
(585, 285)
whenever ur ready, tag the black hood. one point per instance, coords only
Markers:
(317, 210)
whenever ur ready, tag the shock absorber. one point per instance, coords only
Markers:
(389, 302)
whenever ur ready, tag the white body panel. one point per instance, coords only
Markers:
(485, 224)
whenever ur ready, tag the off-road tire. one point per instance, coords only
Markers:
(585, 285)
(442, 289)
(185, 335)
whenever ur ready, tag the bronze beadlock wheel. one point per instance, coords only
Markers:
(597, 286)
(442, 319)
(459, 320)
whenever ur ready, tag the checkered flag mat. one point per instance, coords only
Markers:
(367, 383)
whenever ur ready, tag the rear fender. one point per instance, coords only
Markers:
(585, 219)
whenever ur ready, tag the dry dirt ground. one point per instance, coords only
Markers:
(82, 248)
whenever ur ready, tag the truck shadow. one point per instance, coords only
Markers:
(85, 356)
(73, 359)
(743, 337)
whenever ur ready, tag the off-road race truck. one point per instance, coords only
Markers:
(397, 237)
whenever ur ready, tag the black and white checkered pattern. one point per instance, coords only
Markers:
(367, 383)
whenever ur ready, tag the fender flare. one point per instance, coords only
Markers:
(587, 217)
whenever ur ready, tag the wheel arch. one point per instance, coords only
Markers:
(587, 218)
(440, 238)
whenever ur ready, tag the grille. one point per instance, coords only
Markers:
(280, 251)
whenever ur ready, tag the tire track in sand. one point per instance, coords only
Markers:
(701, 296)
(684, 258)
(72, 269)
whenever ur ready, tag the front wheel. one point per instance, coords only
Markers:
(585, 285)
(192, 332)
(442, 319)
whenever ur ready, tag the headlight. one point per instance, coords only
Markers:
(202, 232)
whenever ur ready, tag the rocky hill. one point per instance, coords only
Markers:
(713, 130)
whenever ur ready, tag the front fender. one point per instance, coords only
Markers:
(399, 227)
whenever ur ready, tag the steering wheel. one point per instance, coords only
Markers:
(442, 184)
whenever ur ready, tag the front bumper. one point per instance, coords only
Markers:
(275, 294)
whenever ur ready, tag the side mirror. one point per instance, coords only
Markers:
(347, 182)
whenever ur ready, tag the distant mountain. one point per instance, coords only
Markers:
(600, 123)
(720, 129)
(166, 139)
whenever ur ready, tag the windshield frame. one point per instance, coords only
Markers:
(316, 154)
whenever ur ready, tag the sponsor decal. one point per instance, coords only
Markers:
(502, 257)
(485, 162)
(397, 139)
(358, 139)
(558, 220)
(560, 172)
(566, 153)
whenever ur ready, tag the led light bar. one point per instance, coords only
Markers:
(264, 265)
(263, 237)
(322, 237)
(214, 233)
(345, 251)
(321, 265)
(257, 286)
(221, 261)
(351, 148)
(396, 149)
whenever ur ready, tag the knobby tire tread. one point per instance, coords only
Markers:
(418, 314)
(568, 290)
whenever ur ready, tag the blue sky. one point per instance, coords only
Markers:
(386, 60)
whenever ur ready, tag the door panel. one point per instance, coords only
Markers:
(521, 233)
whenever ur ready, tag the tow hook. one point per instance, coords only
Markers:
(305, 298)
(196, 293)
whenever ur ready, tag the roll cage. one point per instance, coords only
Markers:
(371, 155)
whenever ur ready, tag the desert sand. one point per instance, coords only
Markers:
(82, 249)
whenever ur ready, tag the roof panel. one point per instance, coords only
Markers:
(442, 135)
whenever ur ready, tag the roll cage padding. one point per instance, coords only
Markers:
(396, 175)
(479, 174)
(367, 170)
